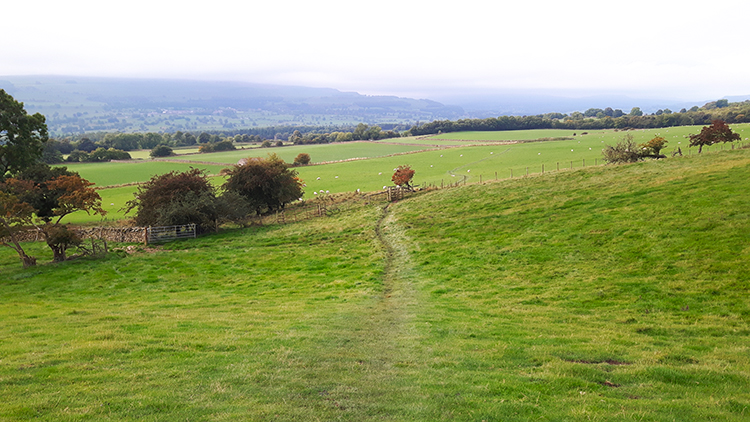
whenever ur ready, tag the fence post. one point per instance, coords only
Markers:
(480, 179)
(495, 175)
(542, 168)
(571, 165)
(584, 162)
(511, 173)
(527, 171)
(145, 235)
(558, 166)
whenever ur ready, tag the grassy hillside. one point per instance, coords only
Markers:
(469, 163)
(607, 293)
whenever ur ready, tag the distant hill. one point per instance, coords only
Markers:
(84, 104)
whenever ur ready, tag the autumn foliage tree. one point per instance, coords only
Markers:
(403, 176)
(719, 131)
(41, 197)
(15, 216)
(653, 147)
(267, 184)
(302, 159)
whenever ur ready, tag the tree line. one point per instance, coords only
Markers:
(115, 146)
(596, 119)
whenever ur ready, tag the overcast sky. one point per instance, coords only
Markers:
(672, 49)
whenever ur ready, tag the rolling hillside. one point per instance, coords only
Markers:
(612, 293)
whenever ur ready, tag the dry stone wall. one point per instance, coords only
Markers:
(110, 234)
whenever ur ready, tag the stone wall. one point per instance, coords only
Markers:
(110, 234)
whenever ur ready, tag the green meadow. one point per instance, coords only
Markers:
(613, 293)
(373, 162)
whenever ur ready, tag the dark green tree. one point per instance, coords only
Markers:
(161, 151)
(636, 111)
(175, 198)
(266, 183)
(22, 136)
(86, 144)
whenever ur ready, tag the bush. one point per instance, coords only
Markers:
(101, 155)
(98, 155)
(225, 145)
(625, 151)
(161, 151)
(302, 159)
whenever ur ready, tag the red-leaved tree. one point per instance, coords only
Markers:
(719, 131)
(402, 176)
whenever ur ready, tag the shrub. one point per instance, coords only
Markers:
(161, 151)
(225, 145)
(625, 151)
(302, 159)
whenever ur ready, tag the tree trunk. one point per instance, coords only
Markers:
(27, 261)
(58, 253)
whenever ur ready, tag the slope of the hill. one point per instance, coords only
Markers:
(614, 292)
(607, 293)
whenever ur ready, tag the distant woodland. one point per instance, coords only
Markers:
(595, 118)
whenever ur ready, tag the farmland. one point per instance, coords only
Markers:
(610, 293)
(444, 165)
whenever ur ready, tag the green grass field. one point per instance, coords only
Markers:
(605, 293)
(467, 164)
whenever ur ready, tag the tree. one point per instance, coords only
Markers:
(15, 216)
(302, 159)
(52, 194)
(86, 144)
(151, 140)
(266, 183)
(653, 147)
(175, 198)
(592, 112)
(719, 131)
(22, 137)
(73, 193)
(403, 176)
(636, 111)
(295, 137)
(161, 151)
(50, 154)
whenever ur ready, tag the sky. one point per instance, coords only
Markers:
(420, 49)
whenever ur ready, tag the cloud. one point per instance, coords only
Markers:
(391, 47)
